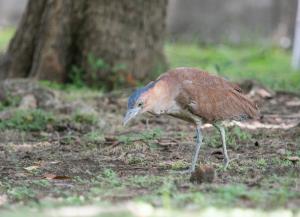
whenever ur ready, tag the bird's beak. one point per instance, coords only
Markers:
(131, 113)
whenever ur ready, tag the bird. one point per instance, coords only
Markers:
(195, 96)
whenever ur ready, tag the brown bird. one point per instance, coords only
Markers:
(194, 96)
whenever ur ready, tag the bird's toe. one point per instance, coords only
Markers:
(226, 163)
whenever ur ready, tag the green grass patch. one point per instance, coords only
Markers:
(5, 35)
(94, 137)
(11, 101)
(269, 65)
(234, 138)
(27, 120)
(143, 136)
(84, 118)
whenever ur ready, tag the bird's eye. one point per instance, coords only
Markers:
(140, 104)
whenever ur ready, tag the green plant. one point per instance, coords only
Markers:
(76, 77)
(132, 160)
(261, 163)
(262, 63)
(84, 118)
(143, 136)
(20, 193)
(93, 137)
(41, 182)
(179, 164)
(110, 178)
(74, 200)
(96, 64)
(5, 36)
(237, 135)
(181, 199)
(230, 193)
(10, 101)
(27, 120)
(166, 190)
(116, 74)
(144, 181)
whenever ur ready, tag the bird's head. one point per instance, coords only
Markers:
(139, 102)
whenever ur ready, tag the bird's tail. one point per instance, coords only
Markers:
(247, 107)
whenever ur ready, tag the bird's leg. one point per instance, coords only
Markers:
(197, 148)
(221, 129)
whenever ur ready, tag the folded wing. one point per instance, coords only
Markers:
(212, 98)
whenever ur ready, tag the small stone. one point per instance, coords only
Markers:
(293, 158)
(281, 151)
(3, 199)
(28, 102)
(81, 107)
(203, 174)
(86, 109)
(4, 115)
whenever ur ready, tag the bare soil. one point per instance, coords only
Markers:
(81, 162)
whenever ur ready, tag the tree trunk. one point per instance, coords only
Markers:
(103, 42)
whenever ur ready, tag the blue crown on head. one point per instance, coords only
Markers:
(137, 93)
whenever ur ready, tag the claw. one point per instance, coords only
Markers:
(226, 163)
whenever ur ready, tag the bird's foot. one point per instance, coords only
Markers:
(227, 161)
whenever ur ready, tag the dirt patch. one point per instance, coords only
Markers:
(93, 157)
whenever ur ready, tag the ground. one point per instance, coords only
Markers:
(86, 156)
(64, 151)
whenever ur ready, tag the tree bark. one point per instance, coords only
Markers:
(109, 41)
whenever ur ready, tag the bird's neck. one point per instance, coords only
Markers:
(162, 98)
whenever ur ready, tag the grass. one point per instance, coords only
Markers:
(165, 191)
(135, 209)
(5, 35)
(143, 136)
(27, 120)
(97, 177)
(85, 118)
(269, 65)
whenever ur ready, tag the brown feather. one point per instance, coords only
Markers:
(207, 96)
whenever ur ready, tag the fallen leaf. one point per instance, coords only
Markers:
(3, 199)
(130, 80)
(54, 162)
(30, 168)
(264, 93)
(110, 139)
(293, 158)
(54, 176)
(21, 175)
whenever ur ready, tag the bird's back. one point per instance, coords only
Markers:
(207, 96)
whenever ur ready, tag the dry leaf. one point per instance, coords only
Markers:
(130, 80)
(54, 176)
(110, 139)
(3, 199)
(54, 162)
(30, 168)
(293, 158)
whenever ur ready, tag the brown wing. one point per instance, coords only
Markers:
(211, 97)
